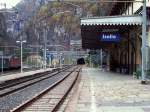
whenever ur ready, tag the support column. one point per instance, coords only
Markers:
(128, 54)
(144, 40)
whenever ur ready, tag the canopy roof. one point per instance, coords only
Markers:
(93, 28)
(112, 20)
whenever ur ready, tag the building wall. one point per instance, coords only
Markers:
(132, 9)
(137, 36)
(136, 6)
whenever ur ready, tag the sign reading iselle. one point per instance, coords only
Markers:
(110, 37)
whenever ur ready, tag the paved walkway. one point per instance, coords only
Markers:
(109, 92)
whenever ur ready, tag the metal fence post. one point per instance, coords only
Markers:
(2, 64)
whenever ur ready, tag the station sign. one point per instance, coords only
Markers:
(110, 37)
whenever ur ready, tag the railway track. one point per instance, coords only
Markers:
(14, 71)
(16, 92)
(50, 99)
(11, 86)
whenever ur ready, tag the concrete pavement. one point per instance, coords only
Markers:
(109, 92)
(24, 74)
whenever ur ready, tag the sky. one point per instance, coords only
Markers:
(9, 3)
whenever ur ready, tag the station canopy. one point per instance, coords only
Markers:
(113, 20)
(92, 29)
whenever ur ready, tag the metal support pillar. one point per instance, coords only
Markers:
(21, 42)
(144, 40)
(101, 58)
(90, 60)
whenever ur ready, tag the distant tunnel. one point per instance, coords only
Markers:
(80, 61)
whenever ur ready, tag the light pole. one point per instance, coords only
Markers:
(60, 60)
(21, 40)
(21, 44)
(44, 56)
(45, 46)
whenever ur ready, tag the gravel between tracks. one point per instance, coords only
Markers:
(48, 101)
(8, 102)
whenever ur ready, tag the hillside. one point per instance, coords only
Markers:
(61, 21)
(58, 21)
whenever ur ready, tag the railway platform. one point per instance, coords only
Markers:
(24, 74)
(100, 91)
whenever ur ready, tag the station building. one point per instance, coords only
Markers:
(118, 34)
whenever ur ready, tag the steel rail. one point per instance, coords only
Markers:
(11, 83)
(58, 105)
(8, 83)
(38, 96)
(23, 84)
